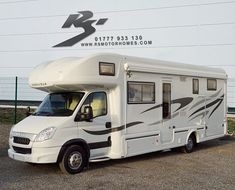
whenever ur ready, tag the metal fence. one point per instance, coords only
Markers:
(15, 91)
(11, 85)
(26, 94)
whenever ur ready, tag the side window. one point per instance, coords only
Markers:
(195, 86)
(211, 84)
(98, 102)
(141, 92)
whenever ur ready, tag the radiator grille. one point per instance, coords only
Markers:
(21, 140)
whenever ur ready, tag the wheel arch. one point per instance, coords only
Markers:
(80, 142)
(194, 134)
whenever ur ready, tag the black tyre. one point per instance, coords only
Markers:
(74, 160)
(191, 142)
(32, 164)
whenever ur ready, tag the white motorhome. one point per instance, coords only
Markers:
(109, 106)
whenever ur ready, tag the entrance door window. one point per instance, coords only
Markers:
(166, 100)
(195, 86)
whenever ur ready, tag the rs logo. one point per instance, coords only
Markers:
(80, 20)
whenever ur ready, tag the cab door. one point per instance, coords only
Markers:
(96, 131)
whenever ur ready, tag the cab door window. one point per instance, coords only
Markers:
(98, 102)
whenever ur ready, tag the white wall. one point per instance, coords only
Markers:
(190, 31)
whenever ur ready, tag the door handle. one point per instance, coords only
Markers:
(108, 125)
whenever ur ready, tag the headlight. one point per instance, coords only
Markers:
(45, 134)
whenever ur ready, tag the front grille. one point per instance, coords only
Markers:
(22, 150)
(21, 140)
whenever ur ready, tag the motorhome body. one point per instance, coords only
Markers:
(109, 106)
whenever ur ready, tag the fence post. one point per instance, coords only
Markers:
(15, 115)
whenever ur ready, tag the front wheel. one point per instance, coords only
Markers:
(73, 160)
(188, 148)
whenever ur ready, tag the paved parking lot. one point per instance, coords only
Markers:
(211, 166)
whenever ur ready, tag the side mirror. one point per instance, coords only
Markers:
(86, 116)
(89, 113)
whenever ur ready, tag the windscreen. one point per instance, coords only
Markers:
(59, 104)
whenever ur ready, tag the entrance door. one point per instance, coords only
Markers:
(215, 118)
(96, 132)
(167, 130)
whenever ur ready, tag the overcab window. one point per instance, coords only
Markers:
(141, 92)
(107, 69)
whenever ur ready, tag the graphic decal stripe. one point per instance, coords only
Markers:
(207, 106)
(198, 103)
(200, 114)
(221, 100)
(152, 108)
(158, 122)
(142, 137)
(174, 115)
(216, 94)
(203, 101)
(182, 131)
(107, 131)
(200, 128)
(182, 101)
(97, 145)
(103, 132)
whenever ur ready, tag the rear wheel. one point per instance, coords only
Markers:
(191, 142)
(73, 160)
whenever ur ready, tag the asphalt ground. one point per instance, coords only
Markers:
(210, 166)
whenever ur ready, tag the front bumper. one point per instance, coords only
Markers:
(38, 155)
